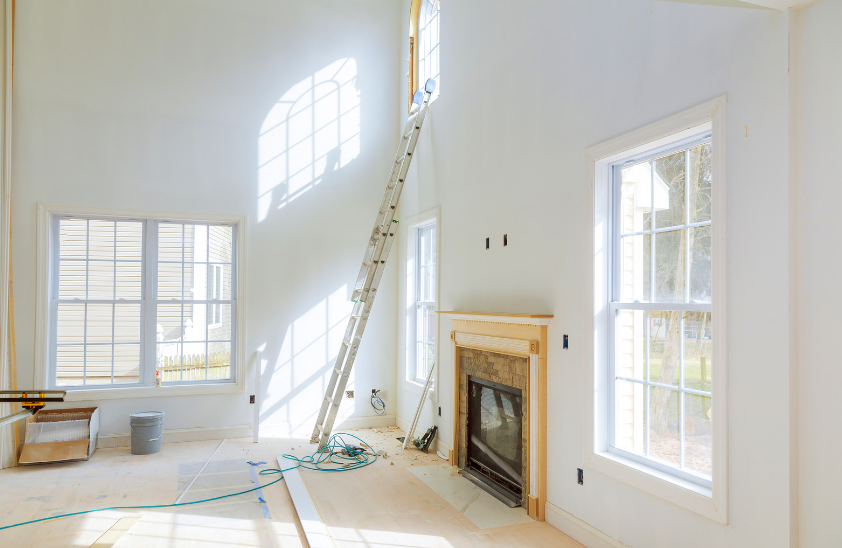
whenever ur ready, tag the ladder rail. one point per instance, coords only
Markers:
(427, 384)
(372, 268)
(327, 428)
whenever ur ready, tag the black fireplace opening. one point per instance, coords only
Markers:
(495, 436)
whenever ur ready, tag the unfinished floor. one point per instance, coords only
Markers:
(382, 505)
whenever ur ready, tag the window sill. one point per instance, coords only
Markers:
(417, 387)
(686, 494)
(152, 391)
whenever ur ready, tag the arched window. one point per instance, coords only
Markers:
(424, 48)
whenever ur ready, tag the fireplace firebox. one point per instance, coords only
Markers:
(495, 439)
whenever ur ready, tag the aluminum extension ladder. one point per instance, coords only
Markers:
(371, 271)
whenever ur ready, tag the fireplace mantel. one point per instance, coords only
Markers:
(518, 335)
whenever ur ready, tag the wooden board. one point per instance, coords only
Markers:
(311, 522)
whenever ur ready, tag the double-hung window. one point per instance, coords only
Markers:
(426, 323)
(661, 309)
(656, 393)
(132, 297)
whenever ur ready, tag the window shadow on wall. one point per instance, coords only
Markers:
(293, 385)
(312, 130)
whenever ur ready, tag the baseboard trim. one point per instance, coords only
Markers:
(372, 421)
(578, 530)
(177, 435)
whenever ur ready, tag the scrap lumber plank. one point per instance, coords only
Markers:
(311, 522)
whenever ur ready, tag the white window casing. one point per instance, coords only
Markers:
(422, 300)
(606, 249)
(210, 323)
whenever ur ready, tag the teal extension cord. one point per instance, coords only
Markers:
(336, 452)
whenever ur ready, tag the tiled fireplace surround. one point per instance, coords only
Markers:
(509, 349)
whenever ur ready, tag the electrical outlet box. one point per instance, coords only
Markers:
(251, 398)
(439, 410)
(580, 476)
(349, 394)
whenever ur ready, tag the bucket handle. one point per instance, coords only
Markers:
(153, 439)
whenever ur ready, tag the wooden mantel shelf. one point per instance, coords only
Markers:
(453, 312)
(497, 317)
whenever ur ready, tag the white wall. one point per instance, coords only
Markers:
(527, 87)
(160, 106)
(820, 258)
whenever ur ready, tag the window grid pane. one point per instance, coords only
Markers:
(428, 38)
(425, 301)
(89, 269)
(199, 346)
(663, 206)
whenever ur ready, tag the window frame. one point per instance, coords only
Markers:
(416, 11)
(418, 303)
(47, 264)
(616, 304)
(426, 219)
(652, 141)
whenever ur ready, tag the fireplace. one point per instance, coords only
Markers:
(502, 359)
(495, 438)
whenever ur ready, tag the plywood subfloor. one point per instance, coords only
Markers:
(382, 505)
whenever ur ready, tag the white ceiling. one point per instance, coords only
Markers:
(760, 4)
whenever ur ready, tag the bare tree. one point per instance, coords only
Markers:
(670, 263)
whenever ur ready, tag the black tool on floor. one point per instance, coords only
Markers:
(427, 439)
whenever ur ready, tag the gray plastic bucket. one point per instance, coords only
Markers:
(147, 429)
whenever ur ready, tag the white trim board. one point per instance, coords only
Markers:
(578, 530)
(311, 522)
(372, 421)
(711, 116)
(406, 295)
(177, 435)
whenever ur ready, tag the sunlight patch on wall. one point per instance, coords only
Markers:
(313, 130)
(305, 363)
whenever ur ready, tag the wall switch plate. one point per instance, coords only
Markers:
(349, 394)
(565, 342)
(439, 411)
(580, 476)
(251, 398)
(505, 240)
(487, 243)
